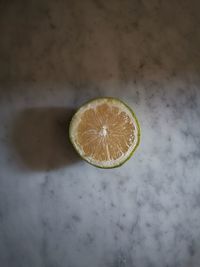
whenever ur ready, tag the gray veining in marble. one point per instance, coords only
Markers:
(58, 211)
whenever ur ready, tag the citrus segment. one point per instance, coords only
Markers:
(105, 132)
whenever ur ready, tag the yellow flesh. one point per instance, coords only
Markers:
(105, 132)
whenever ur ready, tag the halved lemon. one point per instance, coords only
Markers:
(105, 132)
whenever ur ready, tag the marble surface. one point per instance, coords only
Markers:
(58, 211)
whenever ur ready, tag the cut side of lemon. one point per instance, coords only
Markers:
(105, 132)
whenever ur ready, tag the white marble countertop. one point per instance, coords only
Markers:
(55, 209)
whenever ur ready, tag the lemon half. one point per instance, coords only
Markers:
(105, 132)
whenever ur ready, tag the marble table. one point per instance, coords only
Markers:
(55, 209)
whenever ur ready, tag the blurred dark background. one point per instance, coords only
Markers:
(94, 41)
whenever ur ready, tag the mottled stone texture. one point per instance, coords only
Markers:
(55, 209)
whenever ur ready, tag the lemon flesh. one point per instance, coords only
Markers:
(105, 132)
